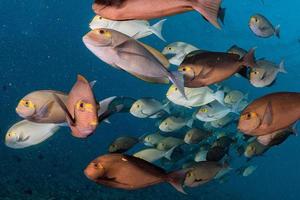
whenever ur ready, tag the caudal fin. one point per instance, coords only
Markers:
(156, 29)
(249, 59)
(219, 96)
(208, 9)
(176, 179)
(177, 79)
(277, 31)
(221, 14)
(281, 67)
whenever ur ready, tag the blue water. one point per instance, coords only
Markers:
(41, 48)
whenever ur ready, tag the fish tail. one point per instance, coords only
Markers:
(157, 28)
(219, 96)
(281, 67)
(177, 79)
(221, 14)
(249, 58)
(176, 179)
(209, 9)
(277, 31)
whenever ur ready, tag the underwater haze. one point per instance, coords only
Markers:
(41, 48)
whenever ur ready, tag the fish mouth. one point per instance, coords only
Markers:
(87, 40)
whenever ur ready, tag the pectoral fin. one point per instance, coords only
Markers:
(268, 116)
(43, 112)
(65, 109)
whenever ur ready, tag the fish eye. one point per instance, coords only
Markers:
(100, 17)
(166, 123)
(81, 105)
(170, 48)
(138, 105)
(184, 69)
(176, 89)
(189, 174)
(101, 31)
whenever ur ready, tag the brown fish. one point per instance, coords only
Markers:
(81, 109)
(207, 68)
(130, 173)
(145, 9)
(41, 107)
(270, 113)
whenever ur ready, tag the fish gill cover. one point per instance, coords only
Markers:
(230, 133)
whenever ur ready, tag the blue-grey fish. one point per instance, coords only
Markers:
(262, 27)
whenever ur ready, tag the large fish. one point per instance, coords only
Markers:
(145, 9)
(130, 173)
(81, 109)
(270, 113)
(126, 53)
(41, 107)
(207, 68)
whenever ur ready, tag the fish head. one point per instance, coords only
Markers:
(255, 21)
(100, 37)
(250, 151)
(137, 109)
(257, 74)
(99, 22)
(204, 111)
(233, 97)
(173, 93)
(190, 178)
(171, 49)
(248, 122)
(187, 71)
(113, 148)
(166, 125)
(95, 170)
(26, 108)
(86, 118)
(11, 137)
(162, 146)
(188, 138)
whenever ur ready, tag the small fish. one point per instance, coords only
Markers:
(215, 111)
(119, 50)
(262, 27)
(153, 139)
(41, 107)
(194, 97)
(81, 109)
(179, 50)
(246, 170)
(25, 134)
(254, 149)
(168, 143)
(149, 108)
(224, 121)
(270, 113)
(133, 28)
(152, 154)
(130, 173)
(144, 10)
(122, 144)
(202, 173)
(173, 123)
(195, 136)
(237, 50)
(234, 96)
(207, 68)
(265, 73)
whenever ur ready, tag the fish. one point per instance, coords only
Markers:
(149, 108)
(207, 68)
(216, 153)
(265, 73)
(194, 97)
(234, 96)
(224, 142)
(126, 53)
(237, 50)
(173, 123)
(254, 149)
(270, 113)
(168, 143)
(201, 173)
(246, 170)
(130, 173)
(215, 111)
(41, 107)
(144, 10)
(25, 134)
(115, 104)
(224, 121)
(276, 138)
(152, 140)
(152, 154)
(133, 28)
(122, 144)
(195, 136)
(81, 109)
(262, 27)
(179, 50)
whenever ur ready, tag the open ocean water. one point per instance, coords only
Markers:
(41, 48)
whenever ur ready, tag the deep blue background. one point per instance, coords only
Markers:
(41, 48)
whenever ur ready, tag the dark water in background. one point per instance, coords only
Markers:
(41, 48)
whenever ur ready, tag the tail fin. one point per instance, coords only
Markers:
(219, 96)
(209, 10)
(281, 67)
(177, 79)
(221, 14)
(249, 59)
(157, 28)
(168, 154)
(176, 179)
(277, 31)
(166, 107)
(190, 123)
